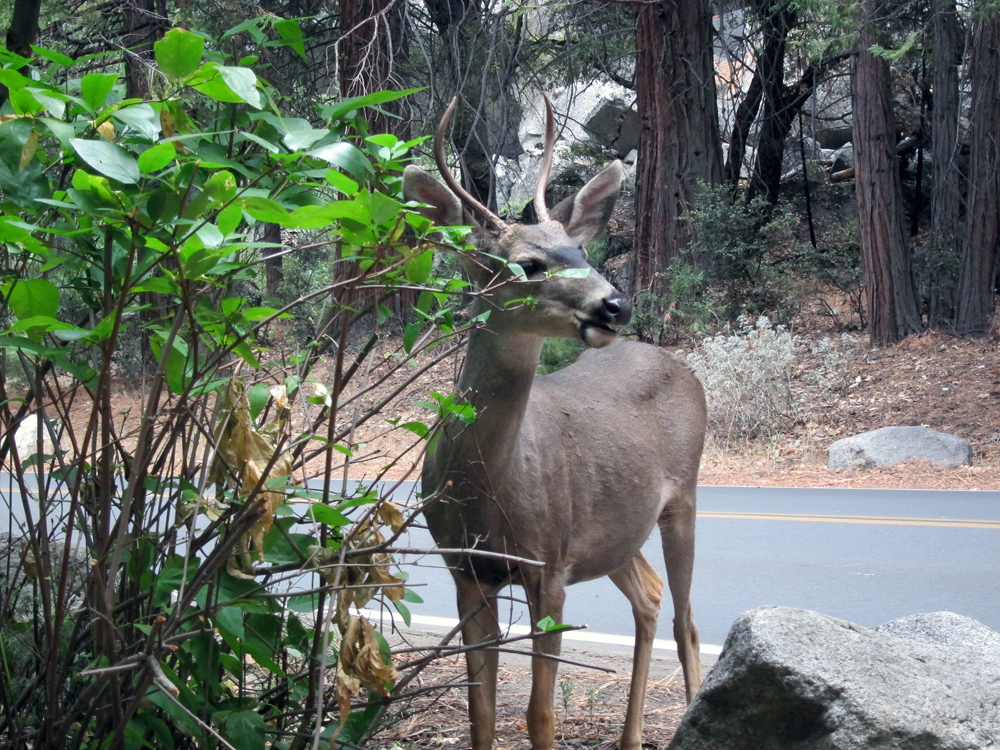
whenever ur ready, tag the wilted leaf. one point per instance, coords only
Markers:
(107, 131)
(390, 515)
(243, 455)
(28, 150)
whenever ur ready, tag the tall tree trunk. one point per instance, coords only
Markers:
(370, 36)
(679, 144)
(746, 115)
(891, 297)
(977, 283)
(23, 32)
(143, 24)
(273, 273)
(946, 186)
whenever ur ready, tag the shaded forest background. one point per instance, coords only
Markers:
(725, 97)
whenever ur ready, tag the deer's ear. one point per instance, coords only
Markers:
(586, 214)
(443, 206)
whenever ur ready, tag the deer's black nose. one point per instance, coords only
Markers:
(615, 310)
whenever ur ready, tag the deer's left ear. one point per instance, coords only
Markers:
(586, 214)
(444, 207)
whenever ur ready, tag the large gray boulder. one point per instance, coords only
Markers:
(891, 445)
(790, 679)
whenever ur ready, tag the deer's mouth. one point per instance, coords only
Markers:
(595, 335)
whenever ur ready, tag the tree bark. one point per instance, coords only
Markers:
(946, 186)
(273, 273)
(889, 287)
(679, 143)
(143, 25)
(977, 283)
(371, 34)
(746, 114)
(23, 32)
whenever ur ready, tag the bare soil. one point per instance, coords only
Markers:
(590, 704)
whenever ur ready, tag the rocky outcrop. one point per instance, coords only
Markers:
(891, 445)
(793, 679)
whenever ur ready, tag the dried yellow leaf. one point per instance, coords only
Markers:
(390, 515)
(107, 131)
(28, 150)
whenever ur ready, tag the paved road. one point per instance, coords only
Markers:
(868, 556)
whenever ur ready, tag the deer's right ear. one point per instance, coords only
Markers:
(586, 214)
(443, 206)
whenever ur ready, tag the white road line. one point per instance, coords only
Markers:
(580, 636)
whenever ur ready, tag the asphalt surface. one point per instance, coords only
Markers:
(868, 556)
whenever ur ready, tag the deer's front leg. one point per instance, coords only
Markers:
(545, 599)
(481, 663)
(644, 590)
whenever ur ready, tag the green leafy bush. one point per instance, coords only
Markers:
(214, 611)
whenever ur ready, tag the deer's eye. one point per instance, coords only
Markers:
(530, 267)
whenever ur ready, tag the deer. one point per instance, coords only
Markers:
(572, 469)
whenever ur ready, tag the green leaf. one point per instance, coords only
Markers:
(228, 84)
(142, 118)
(221, 186)
(300, 139)
(290, 31)
(257, 398)
(229, 219)
(265, 209)
(342, 182)
(343, 107)
(62, 131)
(410, 334)
(231, 618)
(156, 158)
(548, 625)
(404, 611)
(159, 285)
(572, 273)
(418, 268)
(346, 156)
(327, 515)
(246, 730)
(179, 53)
(29, 298)
(109, 159)
(95, 88)
(417, 428)
(58, 58)
(174, 572)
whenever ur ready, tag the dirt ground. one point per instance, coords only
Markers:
(590, 702)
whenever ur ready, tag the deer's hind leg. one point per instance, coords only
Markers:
(644, 590)
(482, 626)
(546, 594)
(677, 531)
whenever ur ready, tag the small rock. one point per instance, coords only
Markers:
(891, 445)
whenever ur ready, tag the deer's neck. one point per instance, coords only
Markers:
(499, 369)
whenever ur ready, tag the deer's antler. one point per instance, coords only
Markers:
(541, 209)
(491, 218)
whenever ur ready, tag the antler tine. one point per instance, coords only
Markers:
(543, 176)
(491, 218)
